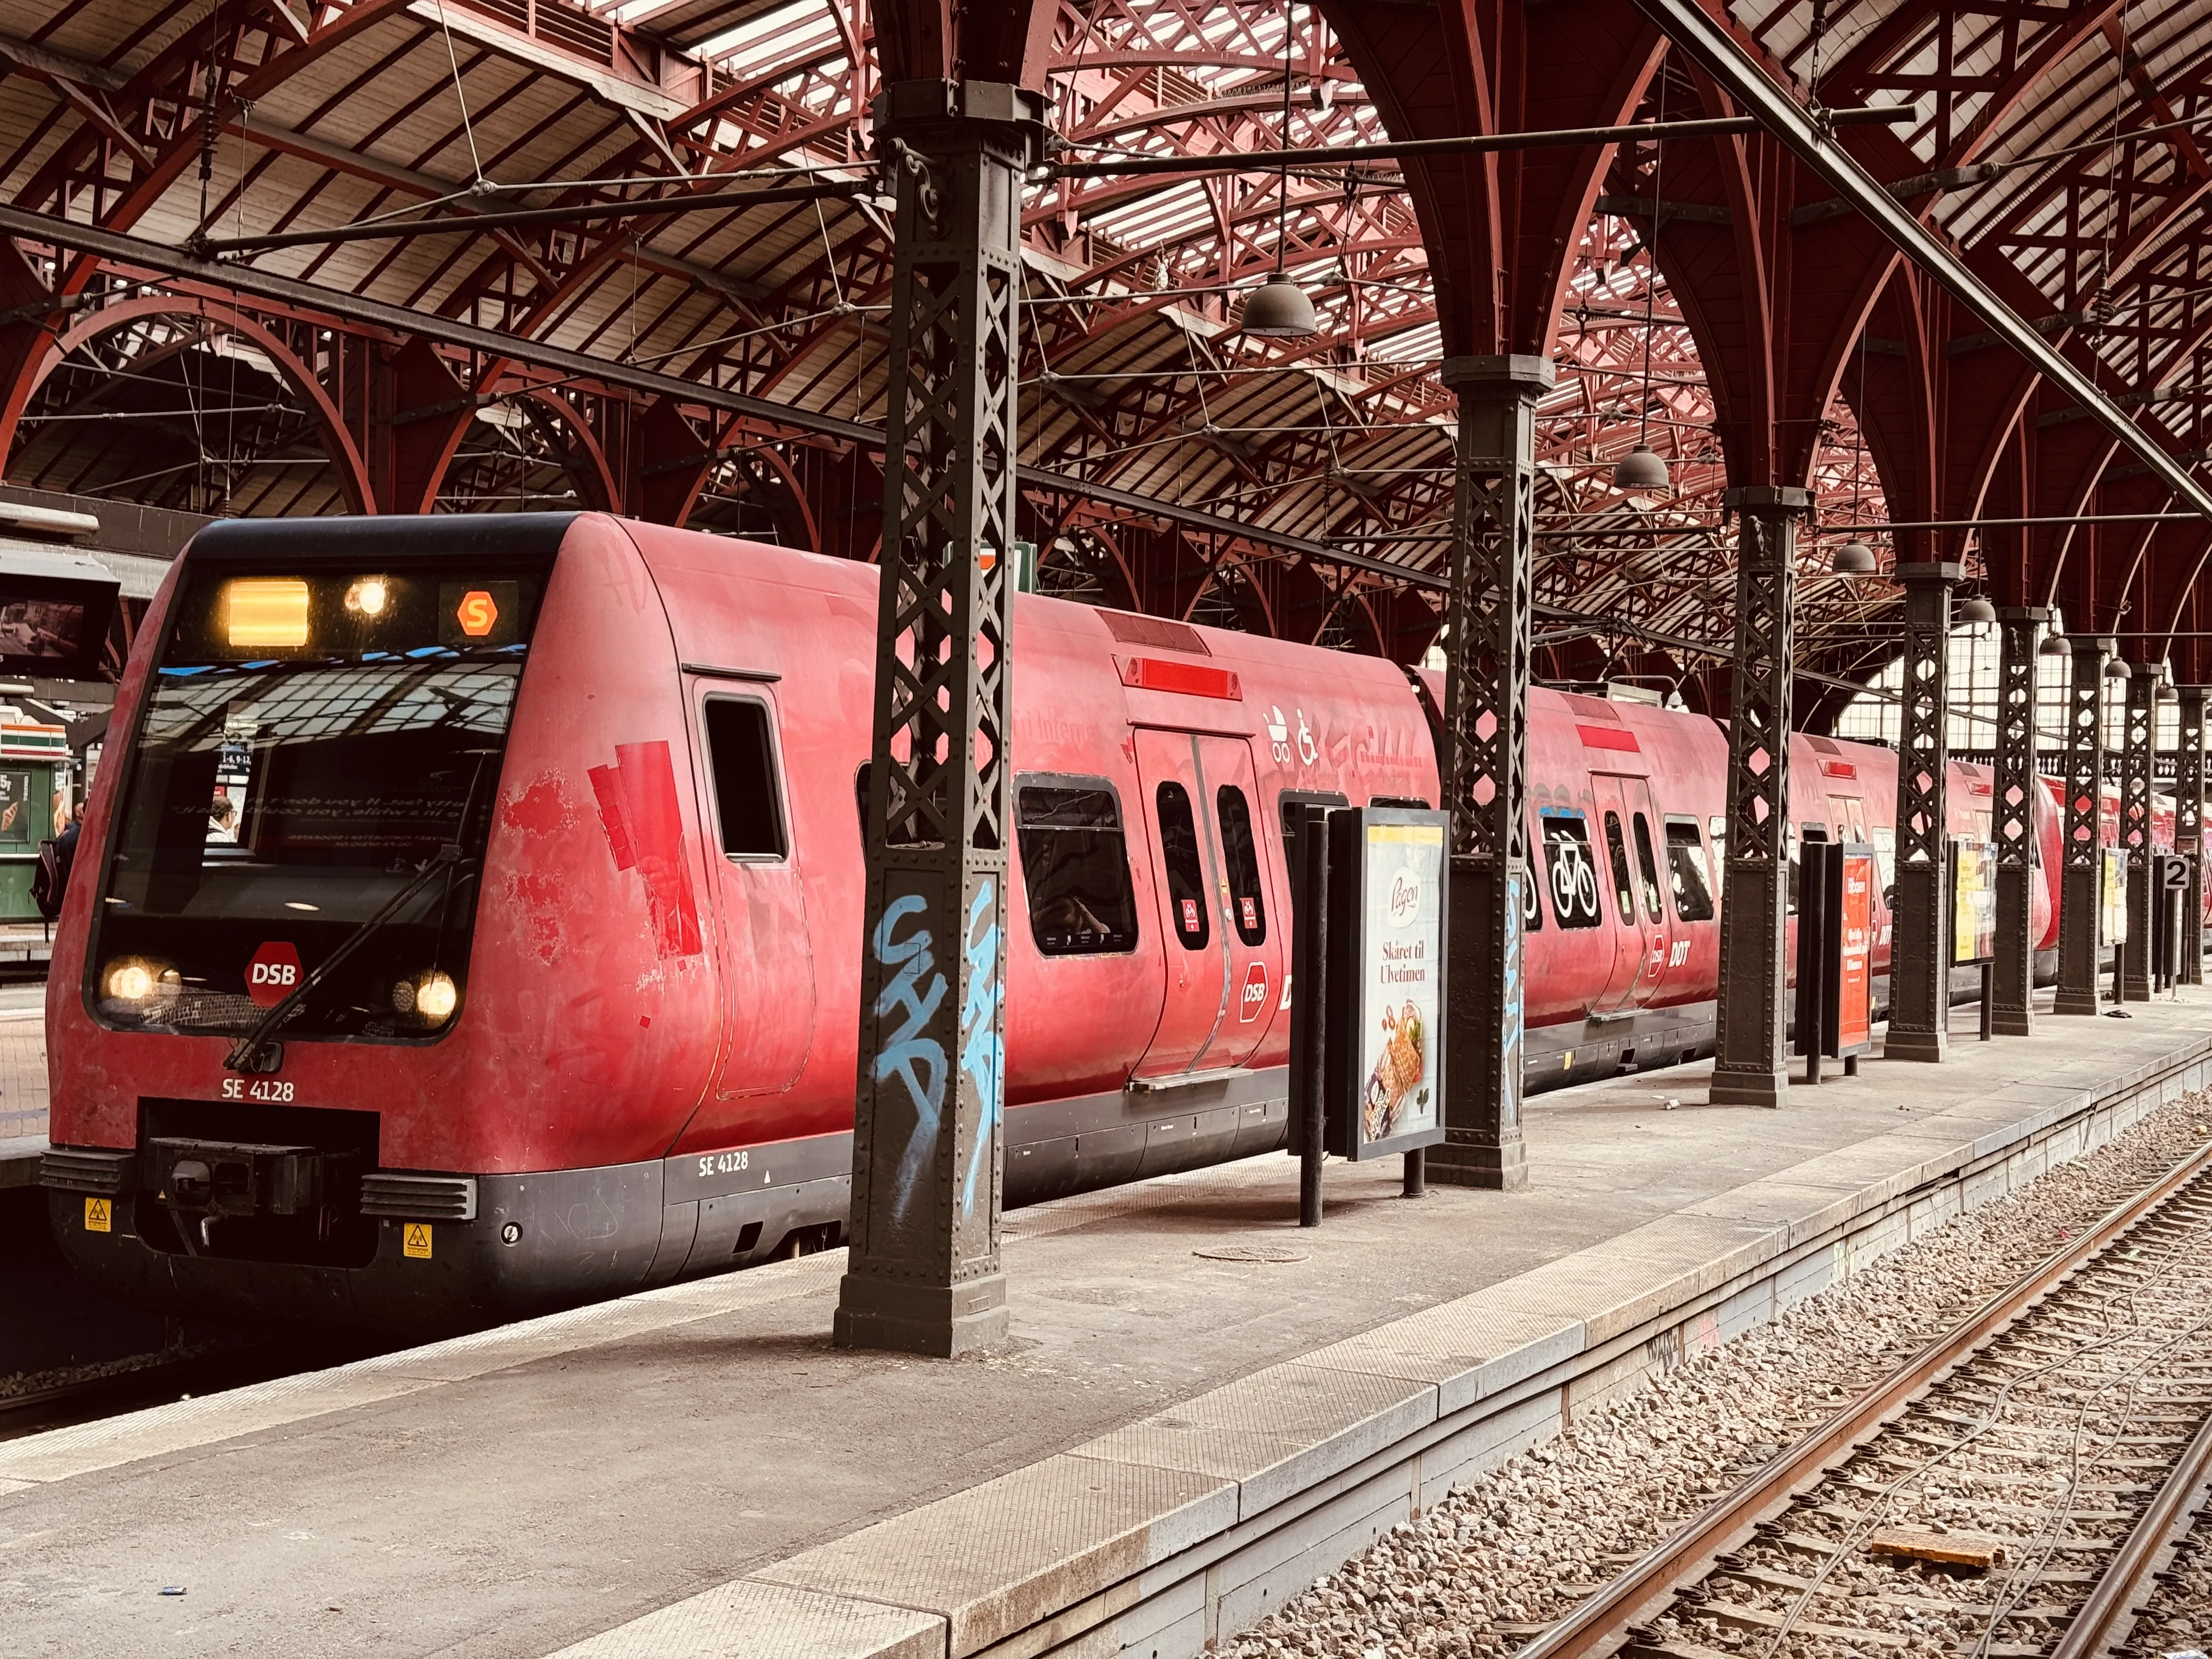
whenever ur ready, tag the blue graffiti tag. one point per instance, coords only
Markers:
(982, 1047)
(1515, 1009)
(917, 1060)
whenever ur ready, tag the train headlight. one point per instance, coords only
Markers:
(138, 980)
(370, 597)
(430, 997)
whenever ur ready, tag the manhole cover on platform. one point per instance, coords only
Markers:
(1250, 1253)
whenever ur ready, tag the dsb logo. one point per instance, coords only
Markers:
(273, 974)
(1255, 998)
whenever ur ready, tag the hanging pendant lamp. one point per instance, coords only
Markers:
(1976, 611)
(1642, 470)
(1278, 309)
(1853, 558)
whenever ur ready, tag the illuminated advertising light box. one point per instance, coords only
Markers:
(2113, 896)
(1973, 901)
(1386, 981)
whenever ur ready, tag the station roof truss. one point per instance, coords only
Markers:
(724, 367)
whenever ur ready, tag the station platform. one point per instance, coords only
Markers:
(1202, 1407)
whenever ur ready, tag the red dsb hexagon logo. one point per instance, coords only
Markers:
(273, 975)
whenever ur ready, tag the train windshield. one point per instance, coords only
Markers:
(309, 749)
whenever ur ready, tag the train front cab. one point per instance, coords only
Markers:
(339, 769)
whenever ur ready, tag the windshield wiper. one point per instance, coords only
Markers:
(254, 1052)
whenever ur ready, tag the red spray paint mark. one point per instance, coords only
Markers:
(645, 832)
(607, 786)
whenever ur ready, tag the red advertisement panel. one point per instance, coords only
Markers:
(1854, 1027)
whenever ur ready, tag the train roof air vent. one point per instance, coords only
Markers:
(1822, 745)
(1156, 632)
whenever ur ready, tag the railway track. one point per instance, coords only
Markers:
(2016, 1489)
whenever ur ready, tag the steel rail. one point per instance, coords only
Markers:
(1471, 143)
(520, 218)
(1688, 1555)
(1708, 40)
(2106, 1617)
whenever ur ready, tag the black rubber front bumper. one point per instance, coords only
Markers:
(537, 1243)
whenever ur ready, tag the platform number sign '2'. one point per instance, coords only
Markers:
(273, 974)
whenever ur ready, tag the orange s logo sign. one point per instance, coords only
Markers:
(476, 613)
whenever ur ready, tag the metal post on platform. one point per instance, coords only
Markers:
(1750, 1064)
(2188, 828)
(1485, 787)
(924, 1274)
(2081, 858)
(2138, 744)
(1920, 957)
(2011, 1002)
(1309, 1082)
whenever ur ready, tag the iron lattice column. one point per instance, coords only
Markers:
(2012, 993)
(923, 1276)
(1750, 1064)
(1487, 772)
(2080, 931)
(2138, 745)
(1920, 946)
(2189, 829)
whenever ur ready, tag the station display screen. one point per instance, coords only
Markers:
(53, 625)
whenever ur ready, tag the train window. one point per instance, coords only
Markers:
(1247, 903)
(1686, 865)
(1532, 903)
(1648, 866)
(1616, 854)
(742, 756)
(1569, 869)
(1413, 802)
(1075, 866)
(1884, 837)
(1289, 809)
(1187, 897)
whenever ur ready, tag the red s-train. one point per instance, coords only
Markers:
(467, 917)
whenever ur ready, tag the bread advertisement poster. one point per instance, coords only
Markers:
(1400, 1059)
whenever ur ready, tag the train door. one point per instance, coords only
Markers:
(1629, 861)
(1223, 945)
(756, 895)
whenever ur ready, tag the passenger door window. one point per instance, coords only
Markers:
(1647, 865)
(1186, 868)
(1075, 869)
(1616, 854)
(1240, 859)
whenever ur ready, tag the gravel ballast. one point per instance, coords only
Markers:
(1515, 1548)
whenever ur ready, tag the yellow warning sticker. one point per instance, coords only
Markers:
(99, 1215)
(416, 1242)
